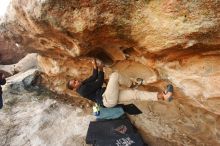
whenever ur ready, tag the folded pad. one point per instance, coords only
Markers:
(131, 109)
(122, 140)
(110, 113)
(100, 130)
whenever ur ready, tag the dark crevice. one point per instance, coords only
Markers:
(128, 50)
(101, 55)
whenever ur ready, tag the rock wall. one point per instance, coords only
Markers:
(74, 28)
(167, 41)
(9, 52)
(26, 63)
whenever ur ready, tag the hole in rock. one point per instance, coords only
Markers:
(43, 41)
(17, 39)
(101, 55)
(128, 50)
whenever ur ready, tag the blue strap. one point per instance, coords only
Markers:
(169, 88)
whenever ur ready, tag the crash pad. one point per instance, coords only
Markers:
(122, 140)
(108, 129)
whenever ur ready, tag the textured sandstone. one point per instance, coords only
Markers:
(9, 52)
(26, 63)
(167, 41)
(78, 28)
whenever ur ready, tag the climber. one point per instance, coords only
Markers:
(91, 88)
(2, 82)
(110, 96)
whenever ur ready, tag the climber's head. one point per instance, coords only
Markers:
(73, 84)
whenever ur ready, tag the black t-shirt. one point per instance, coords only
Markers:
(91, 88)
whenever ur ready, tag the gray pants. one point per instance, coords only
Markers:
(114, 95)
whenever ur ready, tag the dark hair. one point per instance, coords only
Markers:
(1, 74)
(69, 86)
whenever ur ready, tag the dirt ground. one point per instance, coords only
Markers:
(35, 119)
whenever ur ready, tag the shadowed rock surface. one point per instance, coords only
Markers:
(9, 52)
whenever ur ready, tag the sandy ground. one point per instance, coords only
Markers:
(33, 119)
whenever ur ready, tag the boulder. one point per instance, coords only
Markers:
(161, 41)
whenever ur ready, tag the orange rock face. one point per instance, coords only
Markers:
(167, 41)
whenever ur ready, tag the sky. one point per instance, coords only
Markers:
(3, 6)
